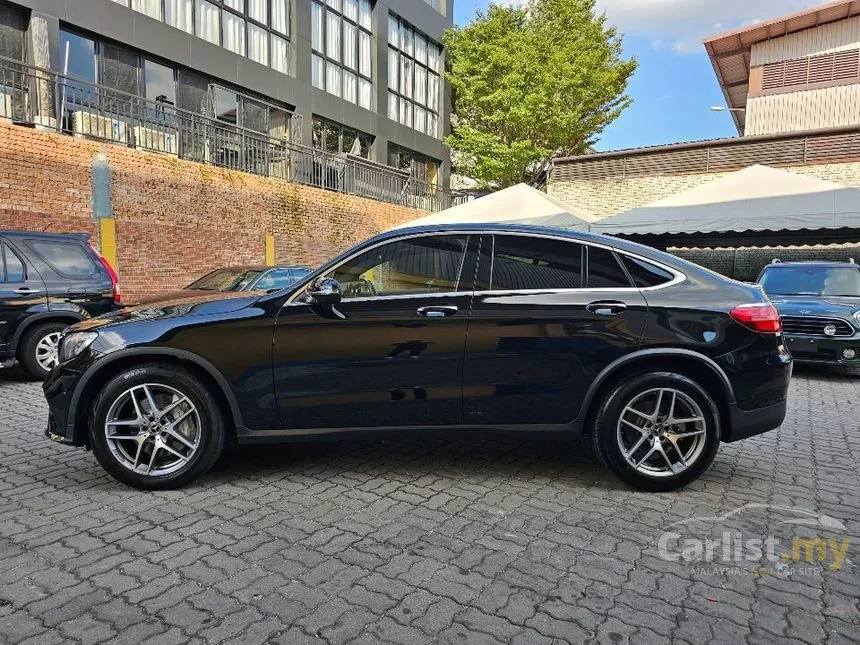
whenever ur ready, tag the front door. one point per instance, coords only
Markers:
(391, 353)
(21, 288)
(548, 318)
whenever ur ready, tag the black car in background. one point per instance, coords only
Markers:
(236, 278)
(438, 328)
(820, 307)
(47, 282)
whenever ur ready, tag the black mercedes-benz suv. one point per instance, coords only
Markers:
(47, 282)
(820, 307)
(440, 328)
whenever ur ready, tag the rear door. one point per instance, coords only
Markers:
(547, 316)
(21, 289)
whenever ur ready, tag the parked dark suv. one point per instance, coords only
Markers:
(820, 307)
(439, 328)
(47, 282)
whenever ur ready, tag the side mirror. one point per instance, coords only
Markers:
(324, 291)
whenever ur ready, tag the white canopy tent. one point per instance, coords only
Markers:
(757, 198)
(520, 204)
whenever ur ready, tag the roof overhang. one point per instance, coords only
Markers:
(730, 52)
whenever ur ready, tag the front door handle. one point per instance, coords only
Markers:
(26, 291)
(606, 307)
(437, 311)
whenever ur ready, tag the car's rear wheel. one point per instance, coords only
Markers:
(40, 349)
(154, 427)
(657, 432)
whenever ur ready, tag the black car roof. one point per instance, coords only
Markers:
(260, 267)
(44, 234)
(813, 263)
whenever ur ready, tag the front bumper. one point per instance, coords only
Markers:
(823, 350)
(59, 389)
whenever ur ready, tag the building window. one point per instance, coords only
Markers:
(78, 56)
(258, 29)
(420, 166)
(12, 29)
(414, 81)
(340, 139)
(341, 41)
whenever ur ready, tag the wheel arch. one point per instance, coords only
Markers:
(33, 321)
(700, 368)
(103, 370)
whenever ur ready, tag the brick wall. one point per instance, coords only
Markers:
(175, 219)
(605, 197)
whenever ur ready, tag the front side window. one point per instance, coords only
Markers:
(67, 259)
(413, 77)
(418, 265)
(521, 263)
(341, 43)
(11, 268)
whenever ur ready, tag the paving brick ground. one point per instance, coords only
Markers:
(428, 541)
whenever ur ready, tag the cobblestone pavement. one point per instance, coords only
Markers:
(426, 540)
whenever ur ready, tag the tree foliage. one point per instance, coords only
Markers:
(530, 83)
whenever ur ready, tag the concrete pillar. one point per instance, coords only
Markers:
(43, 51)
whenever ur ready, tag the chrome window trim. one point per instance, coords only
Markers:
(678, 275)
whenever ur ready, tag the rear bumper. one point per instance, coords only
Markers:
(748, 423)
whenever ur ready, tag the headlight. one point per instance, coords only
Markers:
(857, 318)
(75, 343)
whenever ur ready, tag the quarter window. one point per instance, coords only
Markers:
(11, 268)
(644, 273)
(65, 258)
(535, 263)
(604, 270)
(415, 266)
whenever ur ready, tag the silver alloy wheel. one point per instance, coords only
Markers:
(662, 432)
(48, 351)
(153, 429)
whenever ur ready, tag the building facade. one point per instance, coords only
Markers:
(228, 81)
(794, 73)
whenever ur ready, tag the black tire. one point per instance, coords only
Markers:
(210, 425)
(604, 433)
(27, 351)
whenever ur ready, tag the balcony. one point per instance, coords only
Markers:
(43, 98)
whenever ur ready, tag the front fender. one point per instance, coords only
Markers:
(44, 313)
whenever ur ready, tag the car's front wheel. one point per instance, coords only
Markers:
(657, 432)
(154, 426)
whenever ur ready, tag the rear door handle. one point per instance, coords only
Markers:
(437, 311)
(26, 291)
(606, 307)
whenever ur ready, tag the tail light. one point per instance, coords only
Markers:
(114, 279)
(761, 317)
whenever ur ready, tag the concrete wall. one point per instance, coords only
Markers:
(605, 197)
(175, 219)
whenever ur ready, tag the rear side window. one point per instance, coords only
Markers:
(535, 263)
(11, 268)
(604, 270)
(66, 258)
(644, 273)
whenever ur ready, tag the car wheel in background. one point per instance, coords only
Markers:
(657, 432)
(154, 426)
(39, 350)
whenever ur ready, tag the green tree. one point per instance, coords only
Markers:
(531, 83)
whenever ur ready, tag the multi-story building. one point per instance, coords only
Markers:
(249, 84)
(795, 73)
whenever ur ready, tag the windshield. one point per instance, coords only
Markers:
(226, 280)
(811, 281)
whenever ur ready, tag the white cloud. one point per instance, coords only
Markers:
(682, 24)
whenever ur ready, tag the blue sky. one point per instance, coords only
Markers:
(675, 83)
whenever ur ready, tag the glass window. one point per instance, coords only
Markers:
(365, 94)
(151, 8)
(332, 48)
(365, 61)
(236, 5)
(350, 46)
(81, 61)
(604, 270)
(280, 53)
(318, 27)
(806, 280)
(415, 266)
(258, 44)
(332, 78)
(159, 83)
(337, 34)
(280, 16)
(411, 75)
(644, 273)
(521, 262)
(349, 87)
(208, 21)
(350, 10)
(393, 31)
(276, 279)
(257, 10)
(364, 14)
(234, 33)
(66, 258)
(179, 14)
(120, 68)
(392, 106)
(318, 72)
(226, 105)
(11, 268)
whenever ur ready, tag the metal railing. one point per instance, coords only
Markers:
(47, 99)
